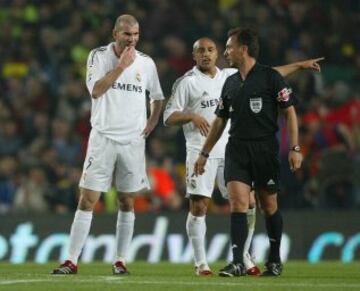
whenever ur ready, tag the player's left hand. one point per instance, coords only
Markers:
(312, 64)
(295, 160)
(150, 125)
(199, 166)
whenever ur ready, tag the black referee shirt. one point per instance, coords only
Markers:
(252, 104)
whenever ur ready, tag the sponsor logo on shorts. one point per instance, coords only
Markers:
(192, 181)
(271, 182)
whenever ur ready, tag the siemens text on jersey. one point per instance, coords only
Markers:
(127, 87)
(209, 103)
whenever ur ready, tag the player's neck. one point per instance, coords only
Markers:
(211, 72)
(117, 50)
(246, 67)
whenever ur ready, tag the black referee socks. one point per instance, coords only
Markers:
(239, 232)
(274, 227)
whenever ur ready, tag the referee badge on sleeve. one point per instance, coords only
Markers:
(256, 104)
(284, 95)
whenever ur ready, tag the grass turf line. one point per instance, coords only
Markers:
(165, 276)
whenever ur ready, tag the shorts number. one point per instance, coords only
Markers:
(89, 163)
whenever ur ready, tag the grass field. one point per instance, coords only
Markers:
(164, 276)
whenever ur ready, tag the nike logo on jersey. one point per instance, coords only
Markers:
(127, 87)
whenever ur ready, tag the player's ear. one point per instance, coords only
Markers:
(193, 55)
(114, 33)
(245, 49)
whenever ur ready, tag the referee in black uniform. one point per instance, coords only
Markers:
(251, 99)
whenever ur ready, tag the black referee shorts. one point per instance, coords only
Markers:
(253, 162)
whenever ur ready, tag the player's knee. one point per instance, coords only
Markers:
(198, 206)
(269, 208)
(126, 203)
(238, 204)
(199, 209)
(87, 202)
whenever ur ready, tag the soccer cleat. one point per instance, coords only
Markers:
(119, 268)
(203, 270)
(272, 269)
(67, 268)
(250, 266)
(233, 270)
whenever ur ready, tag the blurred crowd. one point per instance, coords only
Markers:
(45, 107)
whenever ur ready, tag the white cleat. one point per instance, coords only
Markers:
(203, 271)
(250, 266)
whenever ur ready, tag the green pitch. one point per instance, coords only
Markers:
(165, 276)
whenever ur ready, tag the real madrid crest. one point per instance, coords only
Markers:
(256, 104)
(138, 77)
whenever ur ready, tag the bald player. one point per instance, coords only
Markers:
(192, 104)
(118, 79)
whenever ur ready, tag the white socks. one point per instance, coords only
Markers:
(251, 218)
(196, 230)
(79, 231)
(124, 234)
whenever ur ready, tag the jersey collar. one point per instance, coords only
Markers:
(198, 72)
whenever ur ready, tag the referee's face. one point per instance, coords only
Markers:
(233, 52)
(205, 54)
(126, 35)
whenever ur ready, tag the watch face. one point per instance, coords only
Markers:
(296, 148)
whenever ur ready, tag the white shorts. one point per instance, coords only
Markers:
(203, 185)
(107, 159)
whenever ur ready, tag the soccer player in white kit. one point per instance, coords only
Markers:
(193, 102)
(118, 79)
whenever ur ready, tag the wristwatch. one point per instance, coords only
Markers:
(206, 155)
(296, 148)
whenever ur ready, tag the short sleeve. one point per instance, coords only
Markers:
(153, 85)
(94, 69)
(282, 91)
(222, 109)
(178, 100)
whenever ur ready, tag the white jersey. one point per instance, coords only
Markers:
(120, 113)
(199, 93)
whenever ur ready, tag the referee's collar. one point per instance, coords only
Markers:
(253, 69)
